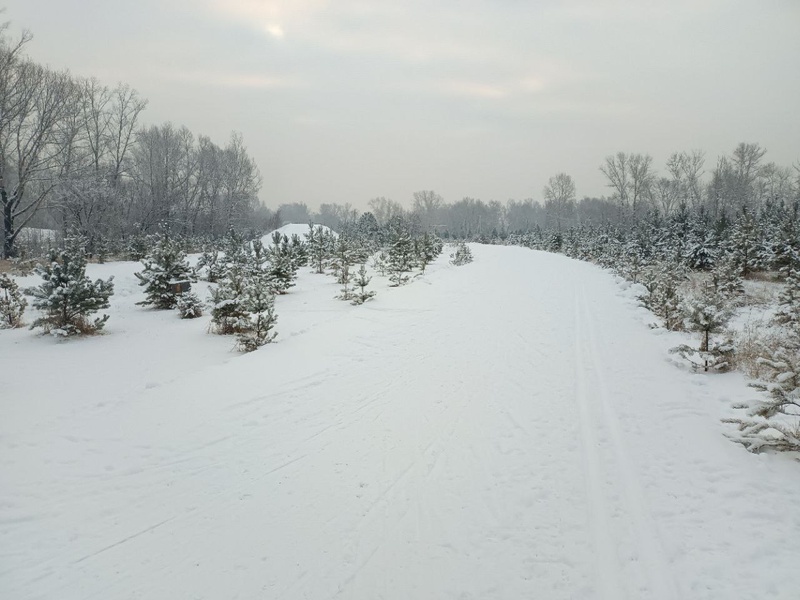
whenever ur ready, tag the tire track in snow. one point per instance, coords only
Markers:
(607, 569)
(661, 584)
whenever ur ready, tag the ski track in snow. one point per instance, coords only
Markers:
(505, 429)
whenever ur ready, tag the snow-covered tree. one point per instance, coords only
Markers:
(343, 257)
(189, 306)
(66, 296)
(726, 279)
(165, 272)
(426, 249)
(344, 279)
(662, 282)
(257, 324)
(401, 253)
(361, 281)
(12, 303)
(788, 312)
(773, 420)
(744, 243)
(283, 265)
(462, 255)
(706, 313)
(380, 262)
(228, 312)
(210, 264)
(318, 243)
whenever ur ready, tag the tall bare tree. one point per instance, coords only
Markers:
(34, 105)
(559, 199)
(631, 178)
(427, 205)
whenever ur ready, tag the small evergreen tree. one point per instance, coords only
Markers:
(318, 243)
(401, 254)
(773, 421)
(12, 303)
(426, 249)
(210, 264)
(745, 243)
(662, 282)
(361, 282)
(726, 279)
(255, 328)
(788, 312)
(137, 246)
(706, 313)
(228, 312)
(380, 262)
(66, 296)
(189, 306)
(344, 279)
(164, 268)
(462, 255)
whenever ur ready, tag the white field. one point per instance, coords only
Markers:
(507, 429)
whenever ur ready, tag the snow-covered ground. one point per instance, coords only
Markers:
(506, 429)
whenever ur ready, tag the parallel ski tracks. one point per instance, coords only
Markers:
(597, 414)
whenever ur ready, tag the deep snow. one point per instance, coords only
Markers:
(506, 429)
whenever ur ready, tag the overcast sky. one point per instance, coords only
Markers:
(346, 100)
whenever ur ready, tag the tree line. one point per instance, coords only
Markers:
(76, 157)
(637, 191)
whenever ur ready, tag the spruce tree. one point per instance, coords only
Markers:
(12, 303)
(66, 296)
(165, 271)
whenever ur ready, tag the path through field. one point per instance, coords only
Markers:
(508, 429)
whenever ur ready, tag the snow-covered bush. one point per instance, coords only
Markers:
(66, 296)
(165, 271)
(462, 255)
(189, 306)
(12, 303)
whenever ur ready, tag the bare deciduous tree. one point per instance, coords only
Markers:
(559, 199)
(34, 105)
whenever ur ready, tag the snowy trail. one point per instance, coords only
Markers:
(506, 429)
